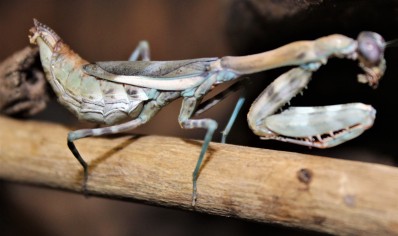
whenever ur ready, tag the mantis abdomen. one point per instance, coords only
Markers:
(87, 97)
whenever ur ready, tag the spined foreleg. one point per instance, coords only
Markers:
(321, 127)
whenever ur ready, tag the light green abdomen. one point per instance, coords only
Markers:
(87, 97)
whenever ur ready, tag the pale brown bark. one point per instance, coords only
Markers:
(317, 193)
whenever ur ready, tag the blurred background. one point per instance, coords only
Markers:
(182, 29)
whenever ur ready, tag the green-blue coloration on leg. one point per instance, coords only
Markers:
(211, 127)
(232, 119)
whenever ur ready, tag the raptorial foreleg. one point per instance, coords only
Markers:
(278, 93)
(320, 127)
(323, 126)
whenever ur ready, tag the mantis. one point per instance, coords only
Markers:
(126, 94)
(320, 127)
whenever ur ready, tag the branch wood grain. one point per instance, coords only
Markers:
(317, 193)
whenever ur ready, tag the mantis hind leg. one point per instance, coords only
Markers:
(150, 109)
(79, 134)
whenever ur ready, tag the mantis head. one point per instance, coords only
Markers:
(370, 51)
(370, 48)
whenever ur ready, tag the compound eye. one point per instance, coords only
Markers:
(371, 47)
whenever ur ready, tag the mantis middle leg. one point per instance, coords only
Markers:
(204, 106)
(189, 105)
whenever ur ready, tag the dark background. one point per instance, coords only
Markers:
(181, 29)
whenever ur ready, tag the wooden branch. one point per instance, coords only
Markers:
(317, 193)
(23, 86)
